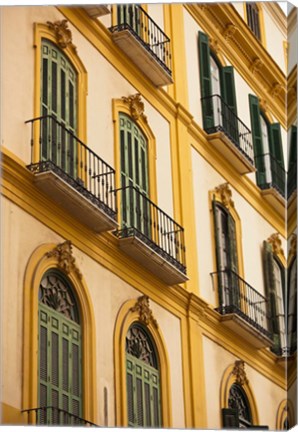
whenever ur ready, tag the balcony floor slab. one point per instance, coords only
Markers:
(142, 57)
(221, 142)
(151, 260)
(74, 202)
(245, 330)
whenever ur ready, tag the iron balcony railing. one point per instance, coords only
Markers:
(271, 173)
(135, 19)
(222, 118)
(292, 180)
(143, 219)
(50, 415)
(237, 296)
(60, 151)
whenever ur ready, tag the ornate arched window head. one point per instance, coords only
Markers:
(237, 400)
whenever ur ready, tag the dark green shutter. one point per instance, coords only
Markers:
(205, 80)
(230, 418)
(233, 263)
(270, 287)
(257, 139)
(292, 166)
(277, 159)
(228, 94)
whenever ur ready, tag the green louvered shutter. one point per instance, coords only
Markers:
(205, 80)
(143, 394)
(230, 418)
(58, 99)
(270, 287)
(292, 166)
(59, 367)
(257, 140)
(228, 94)
(134, 173)
(277, 160)
(233, 262)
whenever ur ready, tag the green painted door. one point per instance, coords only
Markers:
(59, 367)
(143, 393)
(134, 173)
(59, 100)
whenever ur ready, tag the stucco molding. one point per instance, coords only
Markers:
(142, 307)
(62, 33)
(136, 106)
(66, 261)
(240, 373)
(276, 244)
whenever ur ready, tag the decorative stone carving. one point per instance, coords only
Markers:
(239, 372)
(139, 345)
(63, 34)
(225, 194)
(276, 89)
(213, 43)
(136, 106)
(54, 293)
(256, 65)
(275, 242)
(263, 105)
(144, 311)
(66, 261)
(293, 245)
(229, 31)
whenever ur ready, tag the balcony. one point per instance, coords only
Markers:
(50, 415)
(72, 175)
(228, 134)
(144, 43)
(96, 11)
(272, 181)
(242, 308)
(151, 237)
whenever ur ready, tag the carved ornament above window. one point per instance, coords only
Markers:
(66, 261)
(275, 242)
(62, 33)
(239, 372)
(225, 195)
(136, 106)
(145, 313)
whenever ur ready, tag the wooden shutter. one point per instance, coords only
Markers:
(143, 394)
(277, 160)
(228, 94)
(293, 147)
(205, 80)
(59, 366)
(270, 288)
(230, 418)
(257, 139)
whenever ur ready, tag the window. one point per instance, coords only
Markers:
(268, 150)
(58, 102)
(59, 359)
(292, 308)
(292, 165)
(134, 176)
(218, 92)
(275, 290)
(253, 19)
(238, 415)
(142, 379)
(226, 257)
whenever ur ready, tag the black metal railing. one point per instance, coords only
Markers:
(237, 296)
(60, 151)
(134, 18)
(218, 116)
(50, 415)
(271, 173)
(292, 180)
(143, 219)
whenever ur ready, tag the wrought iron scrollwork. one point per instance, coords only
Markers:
(139, 345)
(238, 400)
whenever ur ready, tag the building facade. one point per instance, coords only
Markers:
(149, 215)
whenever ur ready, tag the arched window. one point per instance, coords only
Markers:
(59, 104)
(143, 379)
(59, 358)
(238, 402)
